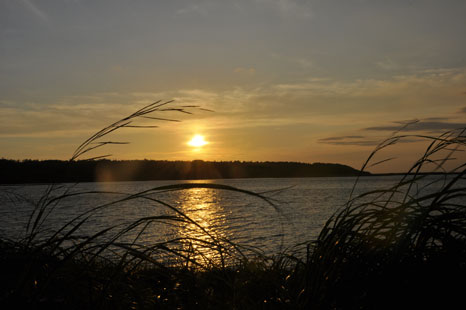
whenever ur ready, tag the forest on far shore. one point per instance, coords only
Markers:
(57, 171)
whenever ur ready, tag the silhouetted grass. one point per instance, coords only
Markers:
(399, 246)
(387, 248)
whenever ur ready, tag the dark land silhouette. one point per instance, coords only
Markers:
(56, 171)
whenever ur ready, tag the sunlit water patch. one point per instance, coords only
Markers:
(203, 225)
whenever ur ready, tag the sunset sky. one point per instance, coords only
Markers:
(287, 80)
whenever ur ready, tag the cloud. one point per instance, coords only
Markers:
(193, 8)
(73, 115)
(425, 83)
(285, 9)
(350, 140)
(289, 8)
(361, 140)
(333, 103)
(66, 116)
(249, 71)
(435, 119)
(35, 10)
(387, 64)
(340, 138)
(429, 126)
(362, 110)
(304, 63)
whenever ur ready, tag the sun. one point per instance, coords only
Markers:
(197, 141)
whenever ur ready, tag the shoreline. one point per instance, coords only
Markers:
(28, 183)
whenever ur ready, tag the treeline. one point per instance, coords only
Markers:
(56, 171)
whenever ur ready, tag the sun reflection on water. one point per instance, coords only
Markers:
(207, 232)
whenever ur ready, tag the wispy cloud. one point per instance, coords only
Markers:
(195, 8)
(249, 71)
(35, 10)
(341, 138)
(387, 64)
(319, 110)
(361, 140)
(289, 8)
(425, 126)
(304, 63)
(285, 9)
(350, 140)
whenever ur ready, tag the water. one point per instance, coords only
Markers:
(300, 208)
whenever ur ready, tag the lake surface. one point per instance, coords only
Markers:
(295, 213)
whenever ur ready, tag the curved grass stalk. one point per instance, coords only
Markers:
(55, 243)
(386, 233)
(93, 142)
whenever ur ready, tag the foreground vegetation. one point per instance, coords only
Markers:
(403, 246)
